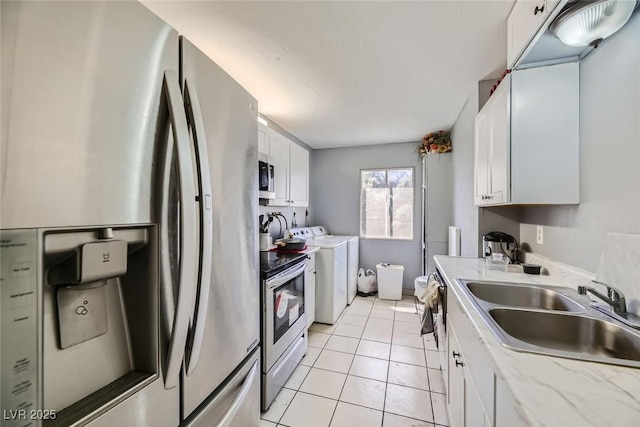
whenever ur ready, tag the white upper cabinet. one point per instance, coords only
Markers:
(263, 139)
(279, 153)
(492, 149)
(526, 18)
(529, 41)
(291, 164)
(298, 176)
(527, 139)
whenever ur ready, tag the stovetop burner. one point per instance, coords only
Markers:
(272, 263)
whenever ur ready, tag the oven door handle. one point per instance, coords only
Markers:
(286, 275)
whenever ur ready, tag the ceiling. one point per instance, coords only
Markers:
(338, 74)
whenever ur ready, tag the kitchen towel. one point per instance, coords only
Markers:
(454, 241)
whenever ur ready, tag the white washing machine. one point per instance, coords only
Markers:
(353, 257)
(331, 274)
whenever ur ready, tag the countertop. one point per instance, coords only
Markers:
(550, 391)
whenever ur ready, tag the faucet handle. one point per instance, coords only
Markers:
(613, 292)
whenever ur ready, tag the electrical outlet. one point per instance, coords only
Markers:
(539, 235)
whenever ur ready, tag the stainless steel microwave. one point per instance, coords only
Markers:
(266, 177)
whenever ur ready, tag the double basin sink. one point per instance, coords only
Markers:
(550, 320)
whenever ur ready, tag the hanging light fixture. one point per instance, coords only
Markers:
(589, 22)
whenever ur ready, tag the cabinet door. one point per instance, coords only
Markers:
(263, 139)
(455, 380)
(310, 294)
(481, 155)
(298, 176)
(474, 415)
(499, 145)
(525, 20)
(279, 152)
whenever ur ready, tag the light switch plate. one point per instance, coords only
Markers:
(539, 235)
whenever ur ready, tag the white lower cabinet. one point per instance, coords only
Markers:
(310, 289)
(465, 404)
(477, 397)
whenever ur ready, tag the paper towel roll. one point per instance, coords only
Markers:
(454, 241)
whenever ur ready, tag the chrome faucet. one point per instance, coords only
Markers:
(615, 298)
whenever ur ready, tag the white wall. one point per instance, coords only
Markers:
(335, 200)
(609, 158)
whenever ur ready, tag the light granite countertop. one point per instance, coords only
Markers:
(550, 391)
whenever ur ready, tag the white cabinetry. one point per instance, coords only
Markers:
(527, 139)
(263, 139)
(291, 164)
(465, 405)
(279, 153)
(492, 177)
(310, 289)
(298, 176)
(526, 18)
(477, 396)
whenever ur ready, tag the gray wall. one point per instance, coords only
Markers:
(609, 158)
(463, 213)
(438, 206)
(335, 200)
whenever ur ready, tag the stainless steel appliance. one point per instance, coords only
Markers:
(266, 177)
(127, 224)
(284, 320)
(500, 243)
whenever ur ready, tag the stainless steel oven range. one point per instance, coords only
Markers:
(284, 320)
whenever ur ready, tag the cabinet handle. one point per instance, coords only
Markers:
(459, 363)
(456, 354)
(538, 9)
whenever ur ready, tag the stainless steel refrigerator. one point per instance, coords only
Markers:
(129, 289)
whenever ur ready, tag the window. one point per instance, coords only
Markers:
(386, 203)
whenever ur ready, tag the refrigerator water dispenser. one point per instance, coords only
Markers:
(81, 298)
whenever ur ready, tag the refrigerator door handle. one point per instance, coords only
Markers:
(180, 130)
(228, 417)
(206, 225)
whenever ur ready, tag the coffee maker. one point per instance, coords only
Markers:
(500, 243)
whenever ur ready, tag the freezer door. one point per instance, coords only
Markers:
(231, 322)
(237, 403)
(80, 99)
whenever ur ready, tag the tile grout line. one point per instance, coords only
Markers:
(297, 391)
(386, 386)
(347, 377)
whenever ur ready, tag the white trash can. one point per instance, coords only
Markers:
(390, 281)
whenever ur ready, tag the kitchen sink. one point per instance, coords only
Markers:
(569, 333)
(522, 296)
(553, 321)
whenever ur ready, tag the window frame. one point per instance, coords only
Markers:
(413, 199)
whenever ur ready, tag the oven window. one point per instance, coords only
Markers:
(288, 305)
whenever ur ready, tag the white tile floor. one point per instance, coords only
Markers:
(371, 368)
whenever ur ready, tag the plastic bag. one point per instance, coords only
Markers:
(367, 284)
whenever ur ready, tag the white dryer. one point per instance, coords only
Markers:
(353, 257)
(331, 275)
